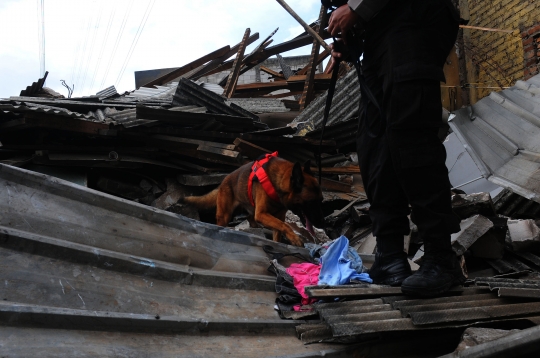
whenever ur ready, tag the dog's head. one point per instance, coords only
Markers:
(306, 197)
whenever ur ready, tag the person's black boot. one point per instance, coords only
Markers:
(437, 274)
(390, 269)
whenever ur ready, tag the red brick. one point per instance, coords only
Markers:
(528, 41)
(534, 29)
(530, 62)
(529, 54)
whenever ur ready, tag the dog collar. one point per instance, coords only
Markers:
(258, 171)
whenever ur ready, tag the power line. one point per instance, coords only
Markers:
(78, 50)
(111, 18)
(41, 35)
(118, 37)
(136, 39)
(80, 65)
(93, 42)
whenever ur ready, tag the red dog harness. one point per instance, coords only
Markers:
(258, 170)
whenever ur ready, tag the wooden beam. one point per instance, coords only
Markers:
(319, 77)
(190, 66)
(307, 93)
(249, 149)
(322, 56)
(272, 72)
(351, 169)
(306, 27)
(215, 63)
(235, 73)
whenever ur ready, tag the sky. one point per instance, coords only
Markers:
(86, 44)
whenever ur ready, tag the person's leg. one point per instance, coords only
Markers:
(419, 160)
(388, 204)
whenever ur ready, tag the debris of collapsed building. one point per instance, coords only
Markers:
(176, 136)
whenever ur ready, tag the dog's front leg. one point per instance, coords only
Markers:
(278, 225)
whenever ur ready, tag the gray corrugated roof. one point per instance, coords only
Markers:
(502, 135)
(260, 105)
(86, 274)
(344, 106)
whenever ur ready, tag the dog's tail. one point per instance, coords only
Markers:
(207, 201)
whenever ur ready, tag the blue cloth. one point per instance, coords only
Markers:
(336, 265)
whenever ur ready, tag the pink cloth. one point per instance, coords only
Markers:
(303, 275)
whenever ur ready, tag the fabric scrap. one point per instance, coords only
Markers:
(336, 265)
(304, 274)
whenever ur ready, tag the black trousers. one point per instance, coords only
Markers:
(402, 161)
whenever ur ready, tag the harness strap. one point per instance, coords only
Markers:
(258, 171)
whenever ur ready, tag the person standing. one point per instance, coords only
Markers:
(402, 161)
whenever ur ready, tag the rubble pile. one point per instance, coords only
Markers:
(175, 136)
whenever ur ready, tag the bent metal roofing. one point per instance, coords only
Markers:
(502, 135)
(86, 273)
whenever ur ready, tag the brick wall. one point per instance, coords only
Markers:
(531, 50)
(495, 59)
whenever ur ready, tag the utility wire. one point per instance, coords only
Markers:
(76, 58)
(93, 42)
(41, 35)
(80, 66)
(136, 39)
(111, 18)
(118, 38)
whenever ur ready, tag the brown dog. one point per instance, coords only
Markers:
(297, 190)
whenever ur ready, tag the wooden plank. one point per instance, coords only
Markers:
(194, 143)
(215, 63)
(272, 72)
(189, 67)
(302, 78)
(322, 56)
(307, 93)
(248, 149)
(233, 76)
(334, 185)
(350, 169)
(306, 27)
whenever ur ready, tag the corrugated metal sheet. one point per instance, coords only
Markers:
(344, 106)
(188, 92)
(260, 105)
(85, 274)
(35, 87)
(502, 133)
(164, 93)
(95, 116)
(460, 308)
(107, 93)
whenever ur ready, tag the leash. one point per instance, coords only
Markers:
(366, 94)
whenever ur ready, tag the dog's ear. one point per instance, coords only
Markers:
(307, 167)
(297, 178)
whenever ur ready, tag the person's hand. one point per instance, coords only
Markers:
(337, 55)
(341, 21)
